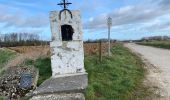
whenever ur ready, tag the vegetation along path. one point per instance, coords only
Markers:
(159, 69)
(34, 53)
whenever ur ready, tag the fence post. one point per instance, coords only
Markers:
(100, 51)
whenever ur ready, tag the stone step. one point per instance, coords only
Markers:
(69, 84)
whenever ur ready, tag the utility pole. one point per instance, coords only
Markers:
(109, 23)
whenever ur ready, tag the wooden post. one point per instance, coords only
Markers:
(100, 51)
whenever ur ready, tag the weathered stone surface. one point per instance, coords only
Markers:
(74, 84)
(69, 59)
(73, 96)
(65, 19)
(67, 56)
(69, 78)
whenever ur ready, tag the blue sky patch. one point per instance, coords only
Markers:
(132, 19)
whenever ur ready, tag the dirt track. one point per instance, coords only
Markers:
(27, 53)
(158, 66)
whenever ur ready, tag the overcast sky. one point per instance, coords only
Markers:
(132, 19)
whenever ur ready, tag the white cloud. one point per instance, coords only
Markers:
(19, 18)
(132, 14)
(158, 26)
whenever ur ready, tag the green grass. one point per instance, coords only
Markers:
(118, 77)
(5, 55)
(44, 66)
(159, 44)
(1, 98)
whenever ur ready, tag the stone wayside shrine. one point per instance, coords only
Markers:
(69, 78)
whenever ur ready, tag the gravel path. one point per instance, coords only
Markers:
(158, 66)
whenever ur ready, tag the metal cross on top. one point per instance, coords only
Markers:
(64, 3)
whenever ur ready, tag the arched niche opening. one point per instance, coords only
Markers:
(67, 32)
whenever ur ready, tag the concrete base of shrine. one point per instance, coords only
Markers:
(62, 88)
(70, 96)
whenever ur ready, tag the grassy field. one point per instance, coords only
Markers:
(5, 55)
(1, 98)
(118, 77)
(159, 44)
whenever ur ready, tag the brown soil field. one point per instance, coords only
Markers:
(89, 49)
(28, 49)
(93, 48)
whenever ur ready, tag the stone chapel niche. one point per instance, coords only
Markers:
(67, 32)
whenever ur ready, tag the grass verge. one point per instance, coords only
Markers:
(5, 55)
(118, 77)
(159, 44)
(1, 98)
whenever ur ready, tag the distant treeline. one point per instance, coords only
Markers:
(29, 39)
(98, 40)
(152, 38)
(20, 39)
(157, 38)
